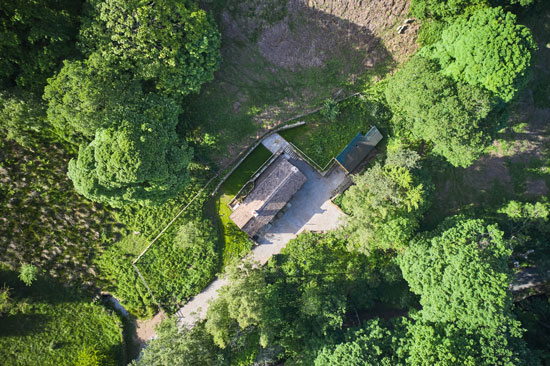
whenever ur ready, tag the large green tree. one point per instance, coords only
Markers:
(140, 160)
(301, 296)
(461, 273)
(178, 346)
(456, 117)
(174, 44)
(447, 10)
(23, 118)
(487, 49)
(428, 343)
(85, 95)
(385, 204)
(241, 303)
(372, 345)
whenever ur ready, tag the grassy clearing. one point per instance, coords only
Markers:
(322, 140)
(236, 242)
(173, 273)
(50, 324)
(232, 109)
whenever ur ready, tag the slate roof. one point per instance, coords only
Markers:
(358, 149)
(274, 188)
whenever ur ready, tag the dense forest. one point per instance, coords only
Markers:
(126, 128)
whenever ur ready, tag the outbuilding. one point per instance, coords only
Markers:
(358, 149)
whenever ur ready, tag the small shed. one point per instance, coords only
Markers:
(358, 149)
(274, 188)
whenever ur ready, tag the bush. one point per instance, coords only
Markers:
(115, 266)
(330, 110)
(28, 274)
(182, 262)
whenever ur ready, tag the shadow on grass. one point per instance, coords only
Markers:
(276, 67)
(20, 325)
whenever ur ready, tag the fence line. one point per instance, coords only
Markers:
(322, 171)
(147, 287)
(174, 219)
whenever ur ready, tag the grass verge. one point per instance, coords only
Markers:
(236, 242)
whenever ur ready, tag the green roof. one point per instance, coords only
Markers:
(358, 149)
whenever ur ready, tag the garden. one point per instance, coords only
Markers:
(236, 242)
(328, 131)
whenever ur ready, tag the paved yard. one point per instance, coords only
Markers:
(274, 142)
(311, 209)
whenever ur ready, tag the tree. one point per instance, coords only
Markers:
(385, 204)
(487, 49)
(427, 343)
(459, 119)
(22, 116)
(28, 273)
(447, 10)
(461, 273)
(372, 345)
(84, 95)
(241, 303)
(301, 296)
(178, 346)
(36, 37)
(141, 160)
(528, 226)
(313, 285)
(173, 43)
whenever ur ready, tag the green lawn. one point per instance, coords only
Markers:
(50, 324)
(323, 140)
(236, 242)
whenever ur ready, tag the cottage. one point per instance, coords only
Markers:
(272, 190)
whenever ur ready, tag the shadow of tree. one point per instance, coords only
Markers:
(280, 63)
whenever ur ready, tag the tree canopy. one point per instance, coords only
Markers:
(178, 346)
(174, 44)
(449, 9)
(141, 160)
(428, 343)
(487, 49)
(456, 117)
(85, 95)
(385, 203)
(372, 345)
(461, 273)
(36, 36)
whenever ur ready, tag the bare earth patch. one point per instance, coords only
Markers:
(145, 329)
